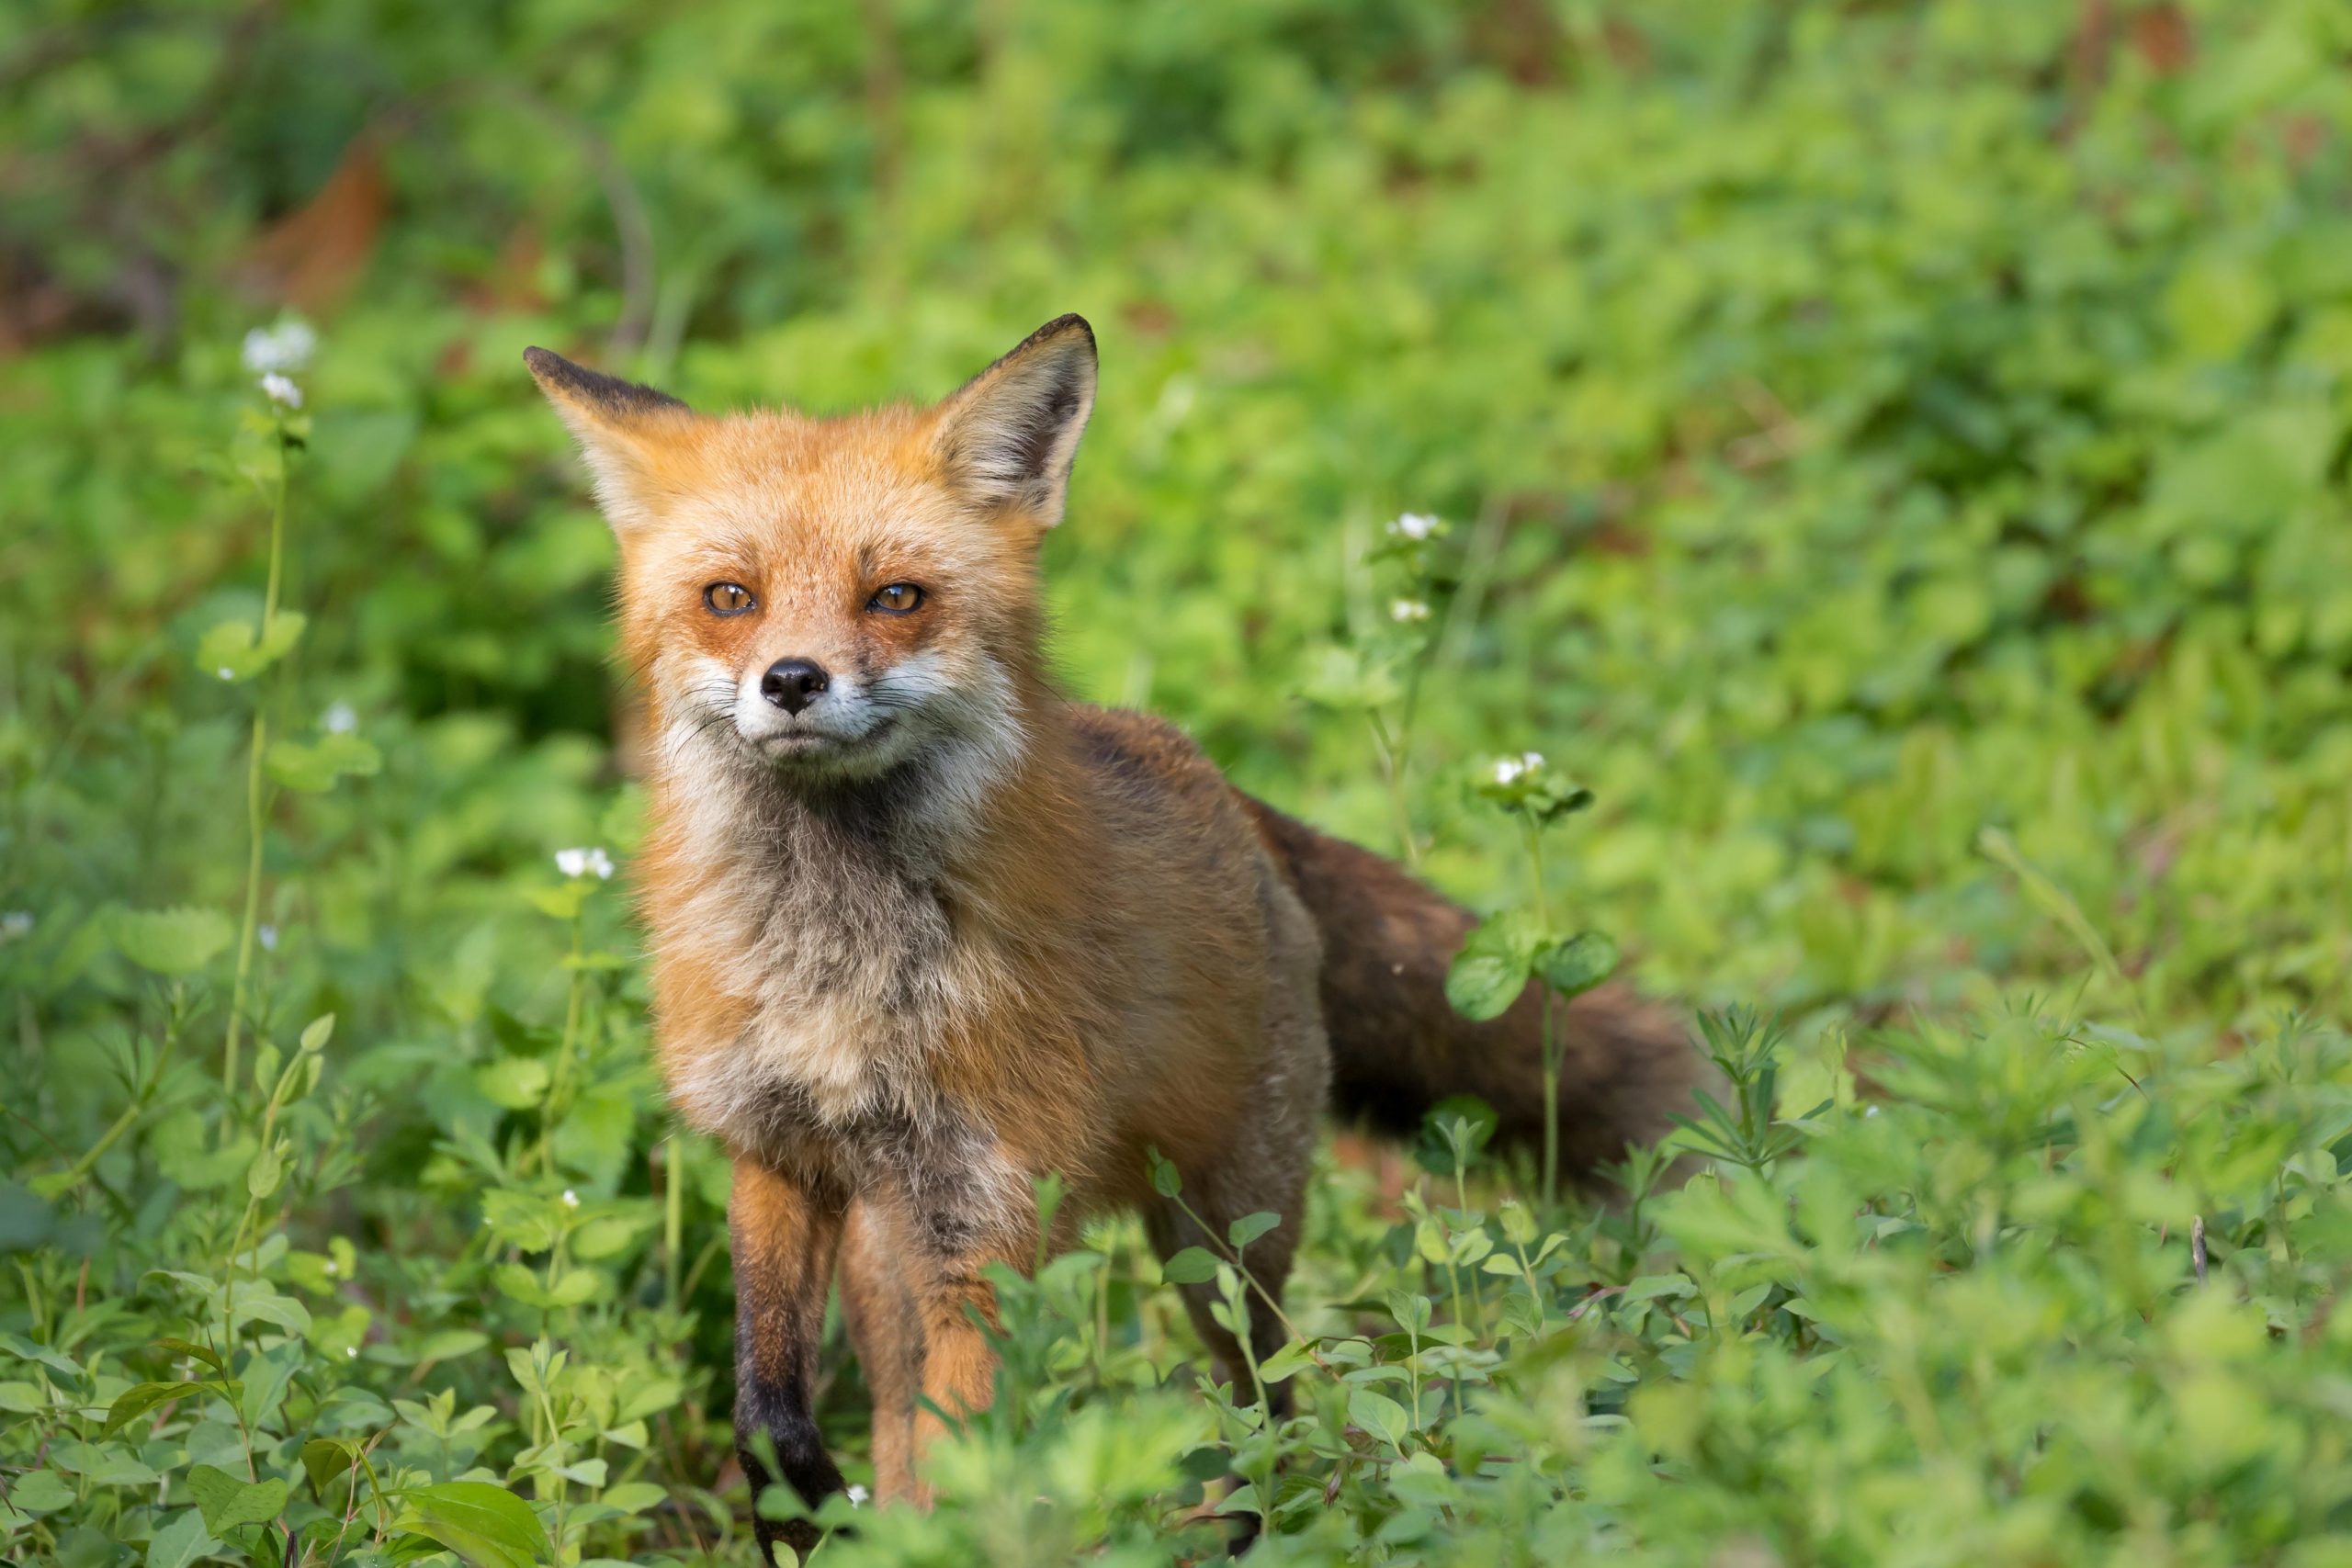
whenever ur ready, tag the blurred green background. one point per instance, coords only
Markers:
(1861, 428)
(1882, 421)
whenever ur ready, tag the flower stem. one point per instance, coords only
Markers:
(1534, 830)
(559, 1080)
(1392, 770)
(256, 794)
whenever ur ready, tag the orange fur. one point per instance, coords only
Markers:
(934, 933)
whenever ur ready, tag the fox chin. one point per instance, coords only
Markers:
(925, 932)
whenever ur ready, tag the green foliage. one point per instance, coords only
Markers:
(1893, 460)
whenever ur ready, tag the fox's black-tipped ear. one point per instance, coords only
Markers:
(1008, 434)
(621, 427)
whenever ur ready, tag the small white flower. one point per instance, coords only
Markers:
(282, 391)
(1508, 768)
(857, 1495)
(226, 674)
(339, 719)
(571, 1198)
(1413, 525)
(352, 1351)
(16, 924)
(1530, 760)
(1407, 610)
(286, 346)
(268, 935)
(1869, 1109)
(589, 862)
(334, 1268)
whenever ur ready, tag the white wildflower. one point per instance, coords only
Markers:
(588, 862)
(282, 391)
(571, 1198)
(352, 1351)
(226, 674)
(1508, 768)
(275, 350)
(339, 719)
(16, 924)
(1407, 610)
(1413, 525)
(268, 934)
(1530, 760)
(857, 1495)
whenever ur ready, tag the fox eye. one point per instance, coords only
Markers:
(896, 599)
(728, 598)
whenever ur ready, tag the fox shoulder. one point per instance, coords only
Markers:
(1139, 761)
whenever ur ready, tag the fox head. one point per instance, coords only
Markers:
(829, 602)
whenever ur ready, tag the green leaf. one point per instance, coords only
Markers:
(171, 942)
(227, 1502)
(524, 1220)
(1650, 1287)
(634, 1496)
(1250, 1227)
(326, 1459)
(42, 1492)
(231, 651)
(1422, 1481)
(1380, 1416)
(312, 767)
(101, 1464)
(486, 1525)
(263, 1176)
(1192, 1266)
(1492, 968)
(1293, 1358)
(515, 1083)
(140, 1398)
(519, 1283)
(1165, 1181)
(182, 1541)
(1578, 964)
(23, 1349)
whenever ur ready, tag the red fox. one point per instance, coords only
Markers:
(924, 931)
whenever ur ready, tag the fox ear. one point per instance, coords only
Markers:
(621, 428)
(1008, 434)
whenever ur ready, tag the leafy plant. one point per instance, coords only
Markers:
(1898, 453)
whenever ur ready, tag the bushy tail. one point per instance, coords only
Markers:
(1398, 1047)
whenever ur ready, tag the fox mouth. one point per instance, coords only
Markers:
(810, 745)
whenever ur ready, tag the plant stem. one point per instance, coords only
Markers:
(558, 1082)
(673, 1217)
(139, 1100)
(1550, 1111)
(1392, 770)
(256, 795)
(1534, 831)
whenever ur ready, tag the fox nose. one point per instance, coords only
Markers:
(793, 683)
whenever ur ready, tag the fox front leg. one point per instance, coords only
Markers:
(785, 1237)
(956, 1308)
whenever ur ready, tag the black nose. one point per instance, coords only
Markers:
(793, 683)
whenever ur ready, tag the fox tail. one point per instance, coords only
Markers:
(1398, 1047)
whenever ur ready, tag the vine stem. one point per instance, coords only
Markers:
(257, 795)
